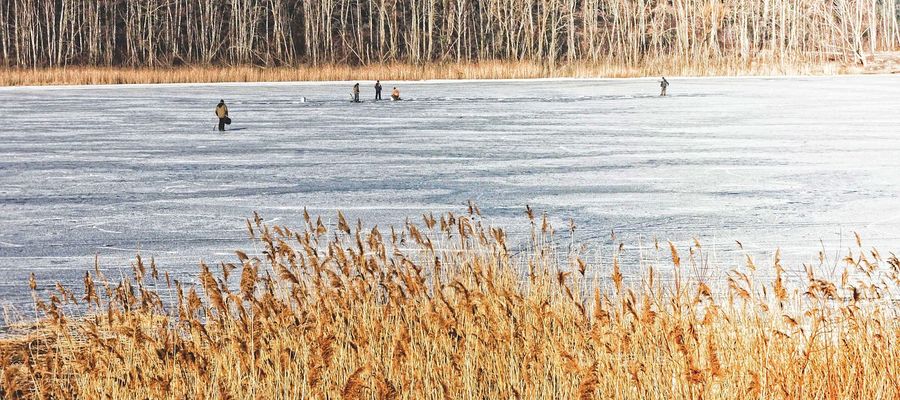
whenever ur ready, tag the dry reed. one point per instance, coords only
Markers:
(445, 309)
(391, 72)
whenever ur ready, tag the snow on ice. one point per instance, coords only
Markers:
(795, 163)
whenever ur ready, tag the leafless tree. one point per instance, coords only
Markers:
(162, 33)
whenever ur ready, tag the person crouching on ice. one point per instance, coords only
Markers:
(222, 113)
(395, 94)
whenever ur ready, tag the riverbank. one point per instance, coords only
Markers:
(880, 63)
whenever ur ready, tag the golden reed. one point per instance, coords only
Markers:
(391, 72)
(446, 308)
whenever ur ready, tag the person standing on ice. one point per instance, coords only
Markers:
(222, 113)
(356, 93)
(663, 84)
(377, 90)
(395, 94)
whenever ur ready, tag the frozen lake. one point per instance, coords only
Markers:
(783, 162)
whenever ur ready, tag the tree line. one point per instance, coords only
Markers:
(164, 33)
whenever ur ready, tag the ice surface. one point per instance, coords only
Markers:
(772, 162)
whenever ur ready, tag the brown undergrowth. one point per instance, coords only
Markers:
(446, 308)
(75, 75)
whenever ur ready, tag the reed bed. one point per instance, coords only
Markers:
(446, 308)
(388, 72)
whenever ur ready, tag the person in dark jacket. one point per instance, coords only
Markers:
(356, 93)
(663, 84)
(377, 90)
(222, 113)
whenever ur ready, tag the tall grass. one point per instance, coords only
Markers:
(446, 308)
(394, 72)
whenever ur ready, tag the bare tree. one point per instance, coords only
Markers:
(36, 33)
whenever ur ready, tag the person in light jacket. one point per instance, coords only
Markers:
(395, 94)
(222, 113)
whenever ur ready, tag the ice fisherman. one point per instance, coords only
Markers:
(395, 94)
(377, 90)
(663, 84)
(222, 113)
(356, 93)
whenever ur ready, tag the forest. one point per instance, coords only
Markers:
(279, 33)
